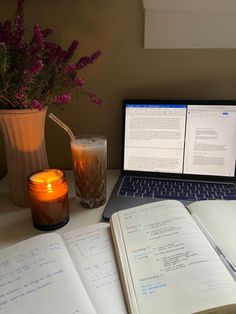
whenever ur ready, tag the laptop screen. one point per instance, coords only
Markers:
(190, 138)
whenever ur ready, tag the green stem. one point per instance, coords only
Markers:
(7, 100)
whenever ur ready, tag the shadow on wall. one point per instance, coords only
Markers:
(184, 89)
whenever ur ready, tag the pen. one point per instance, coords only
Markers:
(229, 265)
(224, 258)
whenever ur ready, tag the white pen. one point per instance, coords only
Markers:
(224, 258)
(227, 262)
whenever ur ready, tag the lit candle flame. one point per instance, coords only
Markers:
(49, 188)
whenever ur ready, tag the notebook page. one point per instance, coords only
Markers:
(173, 267)
(219, 218)
(37, 276)
(92, 252)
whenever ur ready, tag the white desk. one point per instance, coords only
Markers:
(16, 224)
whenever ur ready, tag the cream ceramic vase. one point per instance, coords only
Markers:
(23, 135)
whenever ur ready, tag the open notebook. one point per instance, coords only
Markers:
(164, 264)
(178, 149)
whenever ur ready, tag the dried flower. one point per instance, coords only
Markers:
(37, 67)
(69, 53)
(38, 36)
(84, 61)
(79, 81)
(62, 99)
(37, 73)
(94, 99)
(69, 68)
(35, 104)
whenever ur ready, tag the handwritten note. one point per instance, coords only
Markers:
(92, 252)
(33, 277)
(166, 251)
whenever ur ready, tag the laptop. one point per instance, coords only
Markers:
(175, 149)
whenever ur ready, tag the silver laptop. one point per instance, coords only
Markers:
(176, 149)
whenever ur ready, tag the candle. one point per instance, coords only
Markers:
(48, 195)
(89, 154)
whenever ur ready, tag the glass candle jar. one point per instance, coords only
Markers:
(48, 196)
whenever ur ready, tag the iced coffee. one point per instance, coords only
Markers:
(89, 155)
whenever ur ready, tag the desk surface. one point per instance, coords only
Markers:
(16, 224)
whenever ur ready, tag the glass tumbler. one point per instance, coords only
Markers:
(89, 155)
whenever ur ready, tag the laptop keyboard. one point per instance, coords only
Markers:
(180, 190)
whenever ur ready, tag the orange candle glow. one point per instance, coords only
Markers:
(48, 195)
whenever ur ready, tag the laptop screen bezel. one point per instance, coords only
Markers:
(181, 176)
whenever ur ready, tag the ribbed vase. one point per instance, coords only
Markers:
(23, 134)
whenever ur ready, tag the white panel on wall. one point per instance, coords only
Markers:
(190, 24)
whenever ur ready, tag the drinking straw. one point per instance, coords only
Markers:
(63, 125)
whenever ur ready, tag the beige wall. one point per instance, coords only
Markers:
(124, 70)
